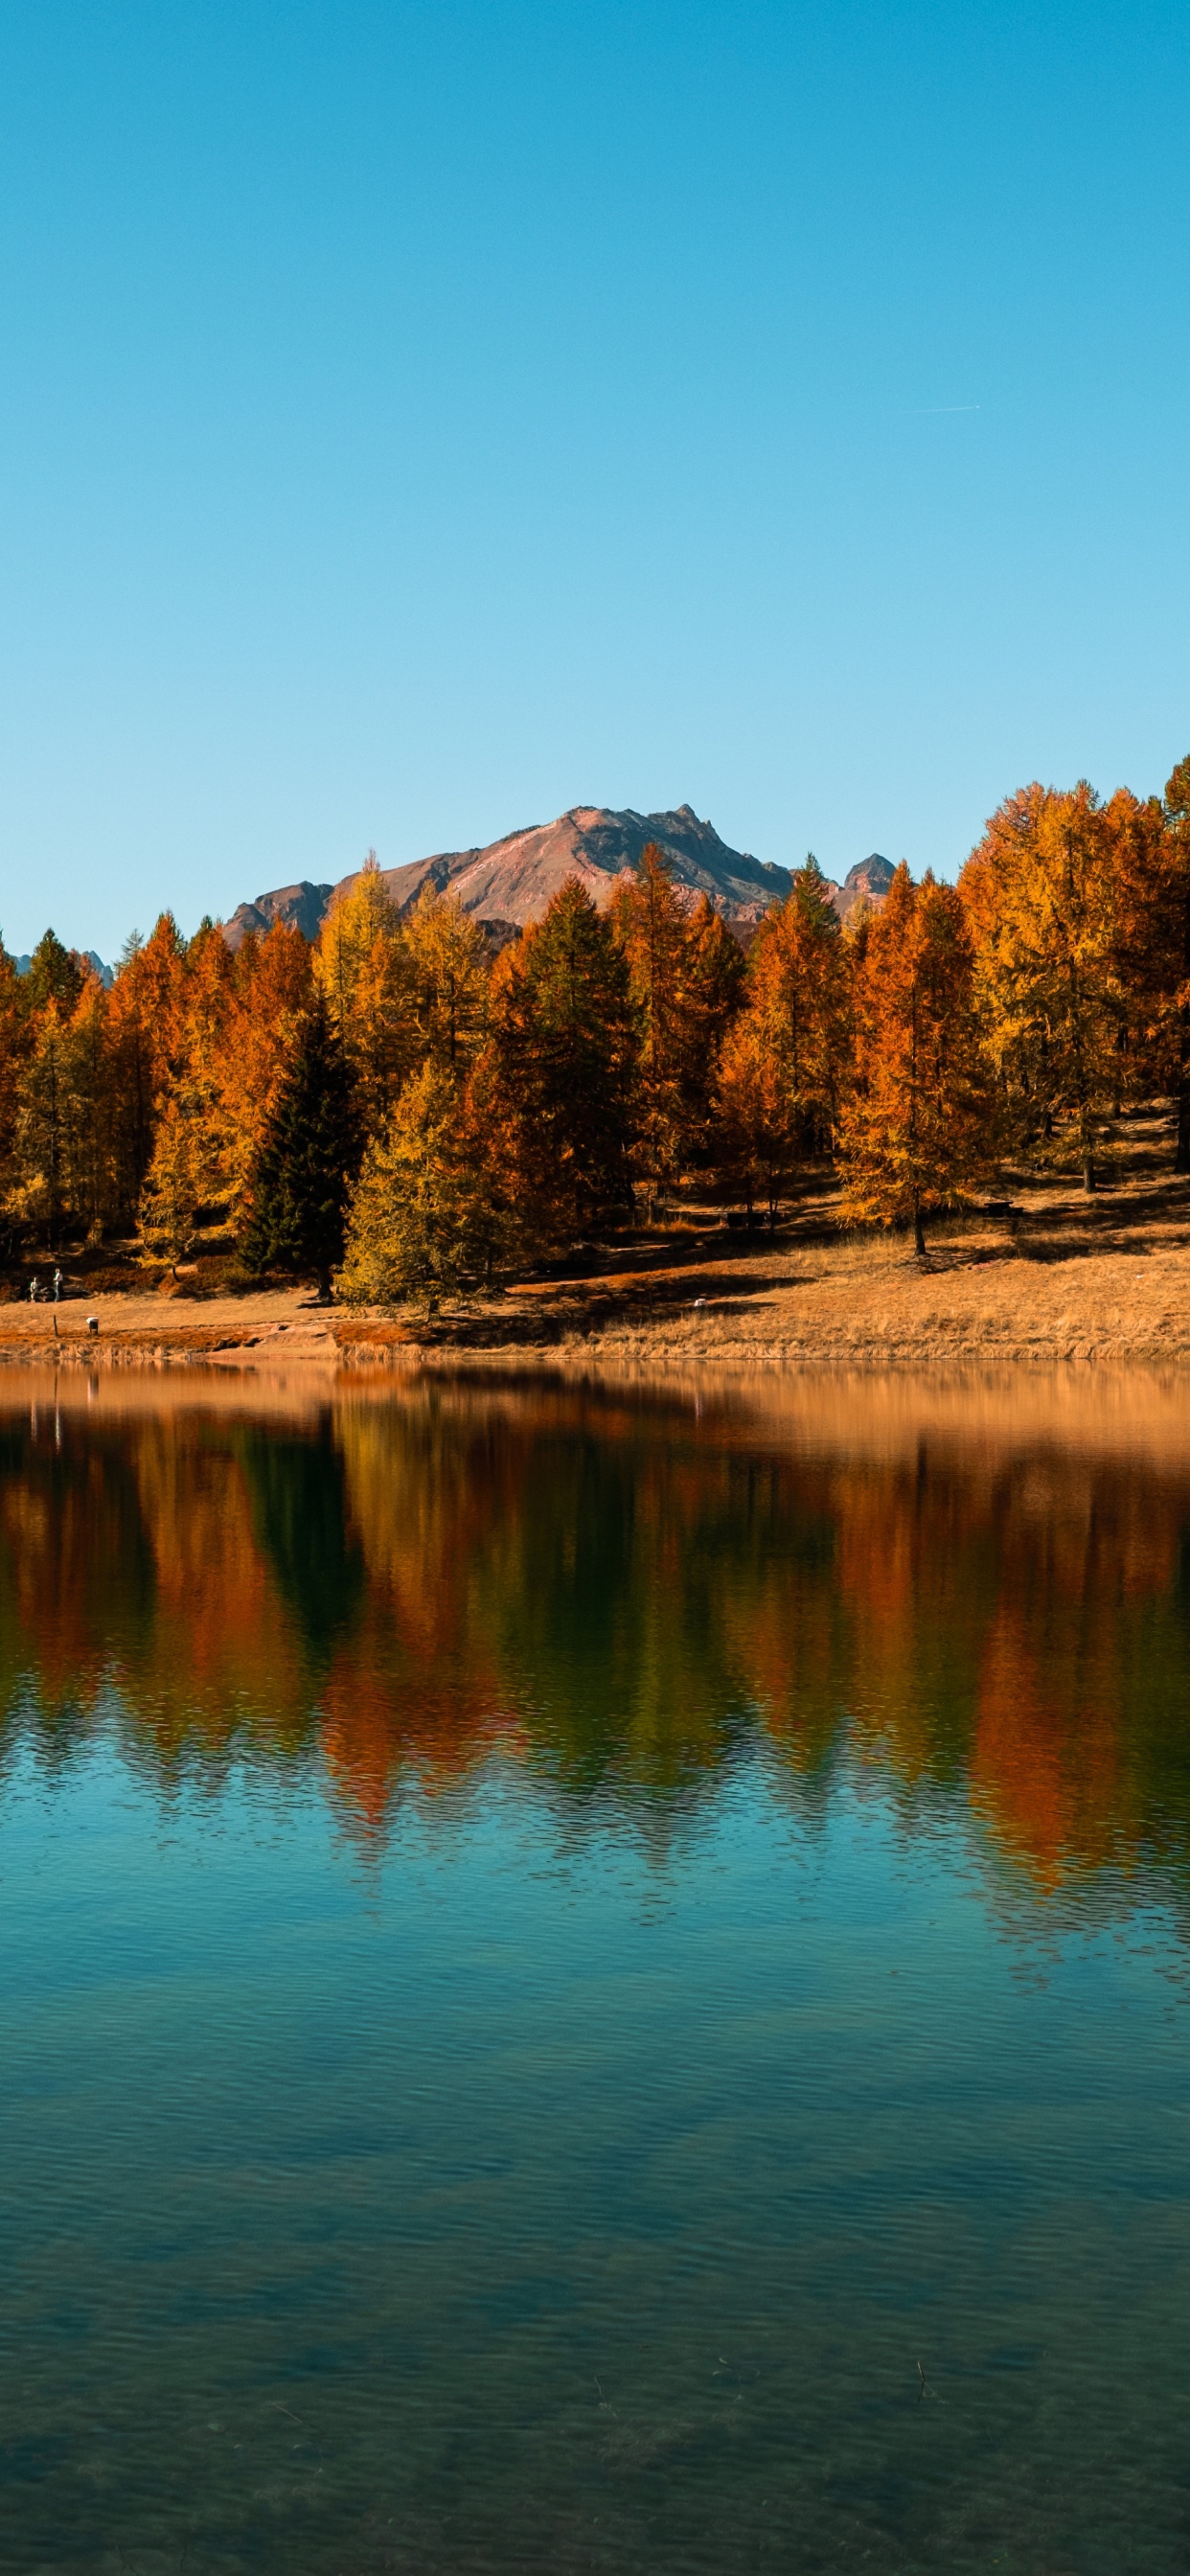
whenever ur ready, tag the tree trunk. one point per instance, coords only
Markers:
(919, 1232)
(324, 1284)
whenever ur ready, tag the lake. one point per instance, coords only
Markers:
(594, 1976)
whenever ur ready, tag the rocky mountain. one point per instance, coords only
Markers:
(869, 881)
(302, 906)
(85, 956)
(511, 881)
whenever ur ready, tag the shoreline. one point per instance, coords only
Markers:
(787, 1332)
(1048, 1275)
(1129, 1412)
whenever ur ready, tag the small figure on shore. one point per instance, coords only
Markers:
(34, 1291)
(57, 1286)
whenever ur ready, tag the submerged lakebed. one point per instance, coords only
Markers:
(594, 1976)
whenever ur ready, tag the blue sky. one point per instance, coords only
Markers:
(416, 420)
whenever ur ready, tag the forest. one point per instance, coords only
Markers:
(398, 1114)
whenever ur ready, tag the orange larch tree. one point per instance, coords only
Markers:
(272, 988)
(918, 1132)
(786, 1063)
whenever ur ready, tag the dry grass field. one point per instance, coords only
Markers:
(1063, 1276)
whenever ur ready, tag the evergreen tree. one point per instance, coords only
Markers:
(425, 1219)
(308, 1161)
(651, 924)
(13, 1042)
(559, 1092)
(713, 988)
(38, 1193)
(89, 1158)
(55, 975)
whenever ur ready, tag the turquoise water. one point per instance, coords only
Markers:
(491, 2082)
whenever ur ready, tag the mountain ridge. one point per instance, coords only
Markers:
(508, 883)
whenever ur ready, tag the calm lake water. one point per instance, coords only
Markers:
(594, 1979)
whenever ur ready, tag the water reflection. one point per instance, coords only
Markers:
(629, 1590)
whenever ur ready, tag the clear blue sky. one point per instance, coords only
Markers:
(417, 419)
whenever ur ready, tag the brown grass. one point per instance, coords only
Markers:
(1067, 1277)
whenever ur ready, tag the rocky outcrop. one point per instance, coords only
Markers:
(302, 906)
(869, 883)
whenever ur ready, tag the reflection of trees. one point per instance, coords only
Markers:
(295, 1489)
(76, 1574)
(623, 1600)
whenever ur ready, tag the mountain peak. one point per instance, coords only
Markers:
(510, 882)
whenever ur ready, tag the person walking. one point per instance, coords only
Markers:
(57, 1286)
(34, 1290)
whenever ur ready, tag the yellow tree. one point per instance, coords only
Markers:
(178, 1181)
(1039, 894)
(449, 970)
(362, 967)
(918, 1132)
(199, 1067)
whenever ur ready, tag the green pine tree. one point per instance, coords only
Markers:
(563, 1070)
(427, 1219)
(55, 975)
(307, 1162)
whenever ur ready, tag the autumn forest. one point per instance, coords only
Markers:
(398, 1113)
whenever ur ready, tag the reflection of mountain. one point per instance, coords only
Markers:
(624, 1598)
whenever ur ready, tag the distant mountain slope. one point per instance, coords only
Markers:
(511, 881)
(303, 906)
(88, 957)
